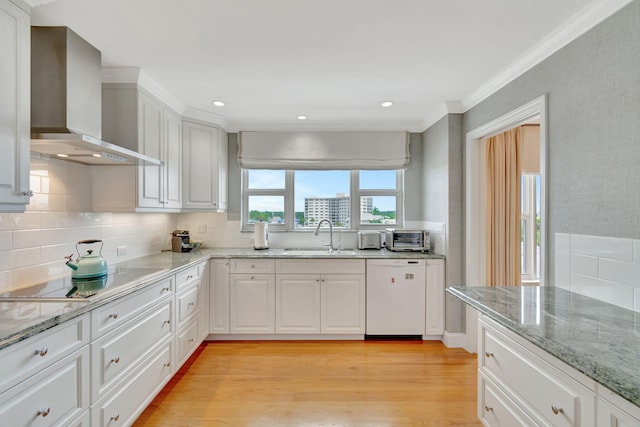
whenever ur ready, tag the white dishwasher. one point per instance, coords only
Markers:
(396, 296)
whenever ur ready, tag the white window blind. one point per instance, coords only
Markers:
(323, 150)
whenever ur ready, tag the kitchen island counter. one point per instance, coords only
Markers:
(598, 339)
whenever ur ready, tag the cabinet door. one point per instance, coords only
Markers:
(435, 297)
(612, 416)
(252, 303)
(172, 188)
(297, 303)
(203, 301)
(15, 45)
(204, 167)
(343, 304)
(219, 296)
(150, 143)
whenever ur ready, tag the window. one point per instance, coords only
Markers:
(530, 228)
(298, 200)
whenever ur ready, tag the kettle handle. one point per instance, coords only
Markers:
(89, 241)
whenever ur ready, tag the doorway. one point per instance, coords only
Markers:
(475, 184)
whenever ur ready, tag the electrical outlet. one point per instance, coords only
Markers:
(201, 228)
(121, 250)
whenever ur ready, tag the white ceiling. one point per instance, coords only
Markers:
(332, 60)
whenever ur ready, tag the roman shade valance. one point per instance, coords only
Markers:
(323, 150)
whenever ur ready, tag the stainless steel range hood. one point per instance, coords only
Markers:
(66, 101)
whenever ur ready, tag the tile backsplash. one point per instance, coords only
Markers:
(605, 268)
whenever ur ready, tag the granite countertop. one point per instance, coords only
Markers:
(600, 340)
(20, 320)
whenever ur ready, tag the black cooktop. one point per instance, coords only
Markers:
(68, 288)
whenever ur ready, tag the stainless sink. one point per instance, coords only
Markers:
(318, 252)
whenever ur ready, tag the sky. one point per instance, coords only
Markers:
(319, 184)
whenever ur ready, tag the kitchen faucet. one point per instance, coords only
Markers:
(330, 232)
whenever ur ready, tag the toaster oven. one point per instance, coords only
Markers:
(407, 240)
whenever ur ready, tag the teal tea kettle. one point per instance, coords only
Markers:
(89, 265)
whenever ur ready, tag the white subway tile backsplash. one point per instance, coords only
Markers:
(563, 260)
(600, 267)
(613, 293)
(602, 247)
(22, 221)
(6, 240)
(586, 265)
(622, 272)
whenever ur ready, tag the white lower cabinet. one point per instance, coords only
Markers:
(435, 297)
(187, 341)
(55, 396)
(136, 391)
(537, 387)
(219, 296)
(252, 303)
(343, 304)
(297, 304)
(116, 354)
(495, 409)
(613, 411)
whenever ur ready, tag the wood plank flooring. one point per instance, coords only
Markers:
(293, 383)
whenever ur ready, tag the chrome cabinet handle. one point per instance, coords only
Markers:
(487, 354)
(116, 360)
(43, 412)
(28, 193)
(488, 408)
(116, 417)
(166, 365)
(189, 277)
(190, 304)
(190, 339)
(42, 351)
(168, 322)
(113, 315)
(556, 410)
(165, 289)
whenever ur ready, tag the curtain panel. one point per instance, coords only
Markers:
(503, 228)
(323, 150)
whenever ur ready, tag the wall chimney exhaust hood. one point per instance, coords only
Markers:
(66, 101)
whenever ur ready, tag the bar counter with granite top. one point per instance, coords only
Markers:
(600, 340)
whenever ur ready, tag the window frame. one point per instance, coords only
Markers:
(289, 202)
(528, 216)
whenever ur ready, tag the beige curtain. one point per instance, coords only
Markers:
(503, 209)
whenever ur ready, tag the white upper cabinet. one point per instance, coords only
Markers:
(15, 45)
(204, 167)
(136, 120)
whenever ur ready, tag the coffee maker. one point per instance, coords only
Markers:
(180, 241)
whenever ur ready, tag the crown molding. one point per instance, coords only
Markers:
(206, 117)
(593, 14)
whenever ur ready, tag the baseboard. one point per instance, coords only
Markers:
(454, 339)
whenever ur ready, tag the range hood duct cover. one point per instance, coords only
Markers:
(66, 101)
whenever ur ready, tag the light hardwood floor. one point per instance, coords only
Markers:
(293, 383)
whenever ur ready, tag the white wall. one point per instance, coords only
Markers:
(605, 268)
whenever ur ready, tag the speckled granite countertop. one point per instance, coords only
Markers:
(20, 320)
(600, 340)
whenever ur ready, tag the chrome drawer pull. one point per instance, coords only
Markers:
(168, 322)
(190, 304)
(487, 354)
(190, 339)
(116, 360)
(42, 352)
(44, 411)
(114, 315)
(116, 417)
(189, 277)
(556, 410)
(488, 408)
(166, 365)
(165, 289)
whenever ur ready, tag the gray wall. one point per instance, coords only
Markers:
(593, 89)
(234, 180)
(442, 202)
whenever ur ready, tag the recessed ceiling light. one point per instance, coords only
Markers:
(387, 104)
(302, 117)
(218, 103)
(62, 155)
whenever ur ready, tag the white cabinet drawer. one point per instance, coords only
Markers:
(116, 354)
(186, 342)
(320, 266)
(114, 314)
(251, 265)
(21, 360)
(53, 397)
(187, 304)
(495, 409)
(553, 397)
(131, 397)
(184, 277)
